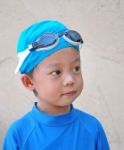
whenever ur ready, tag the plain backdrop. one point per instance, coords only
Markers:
(101, 24)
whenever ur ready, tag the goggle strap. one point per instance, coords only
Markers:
(22, 56)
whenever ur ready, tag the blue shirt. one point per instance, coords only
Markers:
(75, 130)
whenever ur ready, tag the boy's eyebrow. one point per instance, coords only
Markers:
(55, 64)
(52, 65)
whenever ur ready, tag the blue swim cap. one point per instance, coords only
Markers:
(31, 34)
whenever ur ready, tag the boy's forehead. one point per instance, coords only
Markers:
(67, 55)
(56, 63)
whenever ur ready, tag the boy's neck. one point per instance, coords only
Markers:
(53, 110)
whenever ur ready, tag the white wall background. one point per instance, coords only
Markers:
(101, 23)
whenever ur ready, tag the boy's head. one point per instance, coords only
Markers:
(50, 62)
(42, 39)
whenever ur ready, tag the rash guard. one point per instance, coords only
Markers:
(75, 130)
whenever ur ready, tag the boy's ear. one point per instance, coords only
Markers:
(27, 82)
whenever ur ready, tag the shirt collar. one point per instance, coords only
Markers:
(53, 120)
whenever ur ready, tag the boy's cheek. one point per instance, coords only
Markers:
(50, 90)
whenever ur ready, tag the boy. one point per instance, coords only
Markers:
(49, 64)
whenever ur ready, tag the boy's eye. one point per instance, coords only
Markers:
(76, 69)
(56, 72)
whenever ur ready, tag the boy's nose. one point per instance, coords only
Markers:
(69, 80)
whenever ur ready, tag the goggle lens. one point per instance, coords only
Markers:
(74, 36)
(46, 40)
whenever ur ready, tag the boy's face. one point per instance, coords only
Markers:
(58, 80)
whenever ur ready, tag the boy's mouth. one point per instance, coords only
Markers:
(70, 93)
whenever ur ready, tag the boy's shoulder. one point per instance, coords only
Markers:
(22, 126)
(25, 119)
(94, 128)
(88, 120)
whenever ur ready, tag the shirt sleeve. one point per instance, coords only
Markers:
(102, 142)
(10, 141)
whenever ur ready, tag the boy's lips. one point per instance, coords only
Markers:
(70, 93)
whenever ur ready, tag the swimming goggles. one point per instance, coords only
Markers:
(48, 41)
